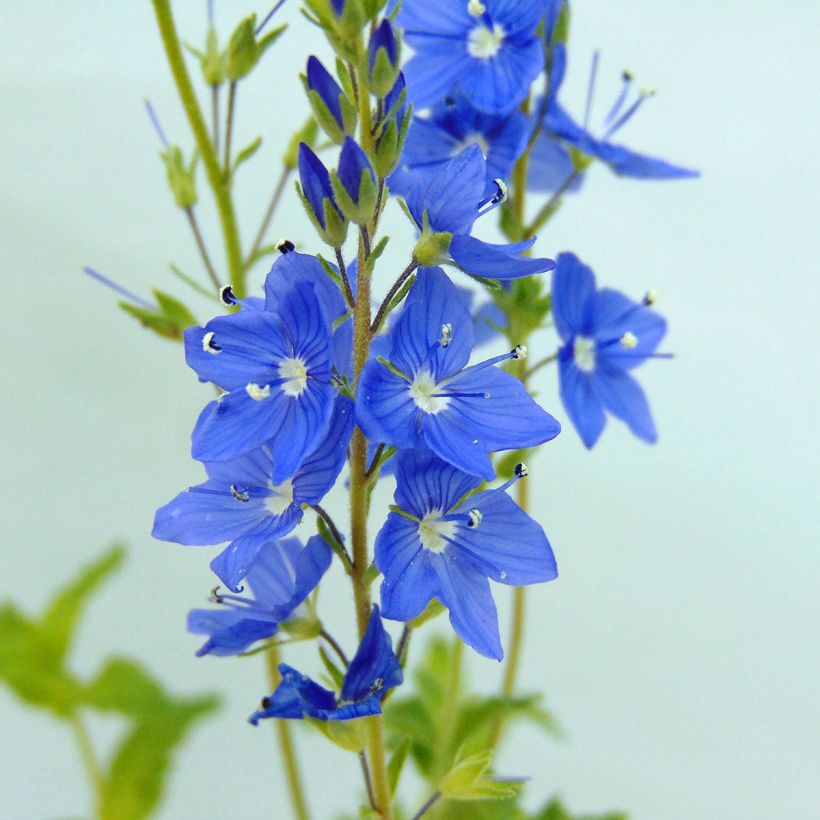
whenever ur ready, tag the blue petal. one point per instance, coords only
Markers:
(624, 398)
(384, 408)
(551, 166)
(295, 697)
(315, 181)
(374, 668)
(352, 163)
(518, 17)
(425, 483)
(628, 163)
(427, 21)
(580, 401)
(300, 268)
(322, 82)
(494, 261)
(573, 294)
(507, 541)
(230, 631)
(615, 315)
(488, 323)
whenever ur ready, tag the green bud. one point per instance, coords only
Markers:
(432, 248)
(334, 231)
(181, 177)
(390, 145)
(244, 50)
(361, 212)
(212, 61)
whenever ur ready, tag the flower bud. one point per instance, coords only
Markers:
(244, 50)
(390, 142)
(382, 59)
(355, 184)
(331, 107)
(316, 193)
(181, 177)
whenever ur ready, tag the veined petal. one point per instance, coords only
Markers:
(426, 483)
(616, 315)
(230, 631)
(433, 71)
(580, 401)
(295, 697)
(627, 163)
(624, 398)
(494, 261)
(374, 667)
(385, 409)
(573, 293)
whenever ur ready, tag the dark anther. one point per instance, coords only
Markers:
(226, 296)
(266, 703)
(521, 470)
(239, 495)
(215, 596)
(285, 246)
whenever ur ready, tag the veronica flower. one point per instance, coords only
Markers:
(242, 503)
(445, 206)
(441, 544)
(424, 394)
(452, 126)
(373, 671)
(275, 365)
(551, 160)
(488, 51)
(284, 574)
(604, 335)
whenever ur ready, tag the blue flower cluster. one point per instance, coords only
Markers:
(276, 440)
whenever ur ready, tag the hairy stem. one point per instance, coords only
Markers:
(89, 758)
(294, 780)
(219, 186)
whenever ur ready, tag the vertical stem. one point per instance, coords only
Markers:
(283, 733)
(219, 186)
(92, 767)
(226, 163)
(215, 117)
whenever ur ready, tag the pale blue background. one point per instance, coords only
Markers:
(679, 648)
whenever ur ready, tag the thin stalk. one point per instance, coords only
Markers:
(541, 363)
(294, 780)
(348, 291)
(221, 192)
(550, 206)
(367, 780)
(278, 191)
(405, 275)
(335, 646)
(215, 117)
(404, 645)
(428, 804)
(89, 758)
(226, 162)
(203, 251)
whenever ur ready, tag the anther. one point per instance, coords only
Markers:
(215, 596)
(521, 470)
(651, 297)
(476, 517)
(285, 246)
(266, 703)
(501, 196)
(239, 495)
(475, 8)
(377, 684)
(209, 345)
(446, 335)
(629, 340)
(627, 76)
(226, 296)
(520, 352)
(256, 392)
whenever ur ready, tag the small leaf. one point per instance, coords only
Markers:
(467, 781)
(60, 619)
(247, 152)
(350, 735)
(396, 763)
(555, 810)
(432, 610)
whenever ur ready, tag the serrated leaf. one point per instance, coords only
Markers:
(396, 763)
(136, 776)
(61, 617)
(174, 310)
(467, 780)
(350, 735)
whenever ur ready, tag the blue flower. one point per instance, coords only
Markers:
(372, 673)
(488, 51)
(445, 546)
(283, 575)
(452, 126)
(241, 503)
(446, 204)
(426, 395)
(552, 162)
(604, 335)
(275, 365)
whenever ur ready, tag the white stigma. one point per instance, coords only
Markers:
(433, 532)
(256, 392)
(421, 391)
(208, 346)
(446, 335)
(629, 340)
(484, 43)
(520, 352)
(476, 517)
(475, 8)
(295, 374)
(281, 499)
(583, 351)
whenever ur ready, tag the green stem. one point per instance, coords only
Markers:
(226, 163)
(89, 758)
(550, 206)
(203, 250)
(219, 186)
(266, 219)
(297, 796)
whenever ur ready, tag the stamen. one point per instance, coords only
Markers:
(619, 103)
(268, 16)
(492, 202)
(628, 114)
(256, 392)
(209, 345)
(481, 365)
(476, 517)
(377, 685)
(155, 122)
(520, 352)
(629, 340)
(226, 296)
(651, 297)
(446, 335)
(215, 596)
(131, 297)
(285, 246)
(475, 8)
(593, 75)
(240, 495)
(521, 470)
(460, 396)
(266, 702)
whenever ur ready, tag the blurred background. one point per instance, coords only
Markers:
(679, 648)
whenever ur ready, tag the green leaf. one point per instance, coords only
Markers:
(124, 686)
(396, 763)
(411, 719)
(350, 735)
(467, 781)
(336, 674)
(247, 152)
(555, 810)
(170, 319)
(60, 619)
(136, 776)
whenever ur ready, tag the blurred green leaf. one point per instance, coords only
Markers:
(396, 764)
(555, 810)
(467, 780)
(350, 735)
(410, 719)
(247, 152)
(123, 686)
(170, 319)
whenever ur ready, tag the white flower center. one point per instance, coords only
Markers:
(583, 352)
(422, 389)
(295, 372)
(433, 531)
(281, 499)
(471, 139)
(484, 43)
